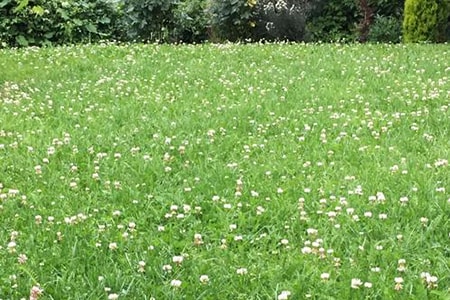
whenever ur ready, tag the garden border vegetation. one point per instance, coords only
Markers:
(56, 22)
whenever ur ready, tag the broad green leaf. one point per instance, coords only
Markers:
(21, 40)
(22, 5)
(5, 2)
(49, 35)
(77, 22)
(63, 13)
(91, 28)
(105, 20)
(38, 10)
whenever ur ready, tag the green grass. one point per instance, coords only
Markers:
(274, 140)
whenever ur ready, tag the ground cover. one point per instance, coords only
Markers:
(225, 172)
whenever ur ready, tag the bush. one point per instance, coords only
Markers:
(44, 22)
(149, 20)
(384, 16)
(387, 8)
(281, 20)
(332, 20)
(233, 20)
(426, 20)
(385, 30)
(191, 21)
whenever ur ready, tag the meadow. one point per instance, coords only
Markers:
(261, 171)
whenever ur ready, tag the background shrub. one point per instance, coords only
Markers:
(191, 21)
(281, 20)
(385, 30)
(233, 20)
(332, 20)
(52, 22)
(149, 20)
(381, 20)
(426, 20)
(387, 8)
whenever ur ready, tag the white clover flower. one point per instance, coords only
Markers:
(167, 268)
(204, 279)
(178, 259)
(113, 296)
(306, 250)
(241, 271)
(112, 246)
(356, 283)
(311, 231)
(12, 246)
(175, 283)
(284, 295)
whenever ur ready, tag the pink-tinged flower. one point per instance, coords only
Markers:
(141, 266)
(401, 265)
(22, 259)
(38, 219)
(35, 292)
(38, 170)
(198, 240)
(398, 283)
(432, 282)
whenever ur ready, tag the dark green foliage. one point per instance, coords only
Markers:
(53, 22)
(385, 30)
(281, 20)
(426, 20)
(191, 21)
(332, 20)
(149, 20)
(387, 8)
(233, 20)
(380, 20)
(166, 20)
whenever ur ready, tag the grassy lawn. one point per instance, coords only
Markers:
(225, 172)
